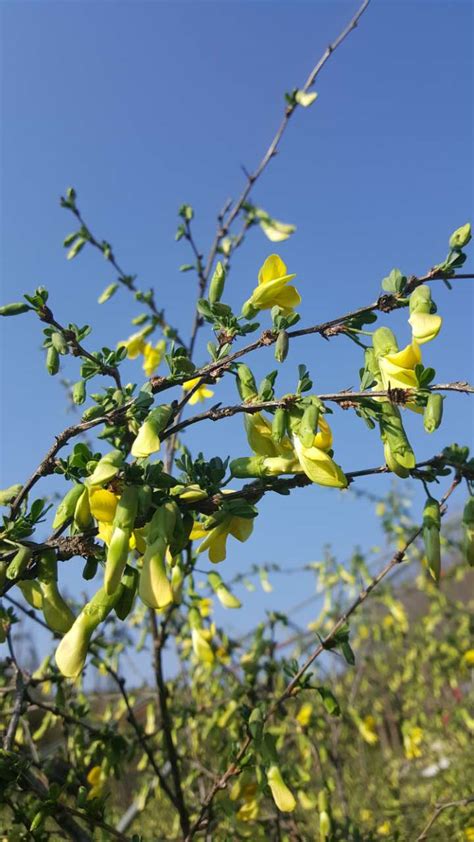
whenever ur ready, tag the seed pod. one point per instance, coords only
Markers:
(216, 287)
(279, 424)
(431, 537)
(281, 346)
(67, 505)
(52, 361)
(128, 592)
(433, 413)
(468, 529)
(79, 392)
(309, 425)
(246, 382)
(14, 309)
(19, 563)
(59, 342)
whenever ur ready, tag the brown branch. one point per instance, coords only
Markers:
(158, 642)
(234, 767)
(439, 808)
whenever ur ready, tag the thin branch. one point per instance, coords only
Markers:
(463, 802)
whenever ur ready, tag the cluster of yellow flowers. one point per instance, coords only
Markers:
(137, 345)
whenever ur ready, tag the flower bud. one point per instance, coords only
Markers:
(309, 425)
(52, 361)
(392, 463)
(128, 592)
(14, 309)
(79, 392)
(281, 346)
(246, 383)
(431, 536)
(433, 413)
(90, 568)
(72, 650)
(279, 425)
(154, 588)
(216, 287)
(59, 342)
(177, 579)
(56, 611)
(225, 597)
(32, 593)
(82, 511)
(460, 237)
(282, 796)
(7, 495)
(248, 310)
(148, 438)
(67, 505)
(19, 563)
(127, 507)
(393, 434)
(468, 530)
(324, 825)
(117, 555)
(384, 342)
(107, 468)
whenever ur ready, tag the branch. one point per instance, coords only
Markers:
(234, 767)
(439, 808)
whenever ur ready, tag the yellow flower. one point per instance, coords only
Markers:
(201, 647)
(304, 714)
(282, 796)
(367, 730)
(200, 394)
(273, 288)
(365, 815)
(384, 829)
(248, 811)
(96, 780)
(469, 834)
(468, 658)
(135, 344)
(103, 504)
(152, 356)
(425, 326)
(215, 542)
(398, 369)
(412, 740)
(318, 466)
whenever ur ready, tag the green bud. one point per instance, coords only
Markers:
(322, 800)
(255, 724)
(148, 438)
(224, 595)
(393, 434)
(279, 425)
(59, 342)
(216, 287)
(460, 237)
(82, 511)
(19, 563)
(127, 507)
(384, 342)
(79, 392)
(281, 346)
(263, 466)
(67, 505)
(248, 310)
(52, 361)
(76, 248)
(468, 531)
(32, 593)
(144, 500)
(92, 412)
(431, 536)
(107, 468)
(14, 309)
(154, 588)
(433, 413)
(246, 383)
(9, 494)
(108, 293)
(309, 425)
(324, 825)
(128, 593)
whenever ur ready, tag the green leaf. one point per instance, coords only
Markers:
(107, 293)
(394, 282)
(329, 701)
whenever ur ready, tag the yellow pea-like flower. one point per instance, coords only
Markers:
(273, 288)
(200, 394)
(152, 356)
(282, 795)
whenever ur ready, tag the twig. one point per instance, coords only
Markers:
(439, 808)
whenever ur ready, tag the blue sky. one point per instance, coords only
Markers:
(145, 105)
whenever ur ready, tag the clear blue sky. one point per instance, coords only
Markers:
(145, 105)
